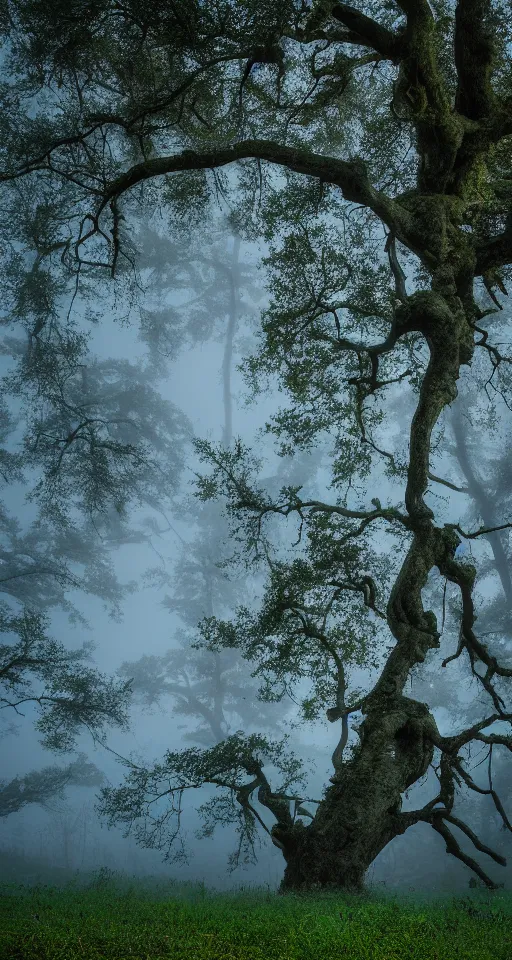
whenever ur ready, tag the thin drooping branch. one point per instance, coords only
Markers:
(438, 818)
(94, 122)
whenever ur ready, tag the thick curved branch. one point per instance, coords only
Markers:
(421, 86)
(474, 53)
(418, 13)
(398, 273)
(368, 32)
(349, 175)
(429, 313)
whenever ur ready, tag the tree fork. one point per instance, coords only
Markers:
(358, 816)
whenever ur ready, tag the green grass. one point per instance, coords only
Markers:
(115, 918)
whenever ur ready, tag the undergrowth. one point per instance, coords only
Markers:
(113, 918)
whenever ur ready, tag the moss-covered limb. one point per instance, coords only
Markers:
(337, 755)
(360, 812)
(421, 89)
(368, 32)
(396, 269)
(418, 12)
(405, 608)
(429, 312)
(349, 175)
(449, 142)
(414, 629)
(474, 49)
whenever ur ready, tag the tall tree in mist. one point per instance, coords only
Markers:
(150, 104)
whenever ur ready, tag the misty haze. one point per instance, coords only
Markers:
(255, 431)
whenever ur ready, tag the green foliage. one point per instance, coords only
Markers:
(225, 765)
(304, 622)
(68, 694)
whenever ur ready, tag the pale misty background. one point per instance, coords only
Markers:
(67, 834)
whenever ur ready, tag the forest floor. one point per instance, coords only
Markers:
(115, 919)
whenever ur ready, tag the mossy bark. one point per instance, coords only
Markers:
(359, 814)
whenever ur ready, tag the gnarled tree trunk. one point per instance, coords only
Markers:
(360, 812)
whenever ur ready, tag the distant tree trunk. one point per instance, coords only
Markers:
(66, 837)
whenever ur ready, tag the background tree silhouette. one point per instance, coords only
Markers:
(208, 685)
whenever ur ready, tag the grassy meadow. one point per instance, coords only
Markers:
(112, 918)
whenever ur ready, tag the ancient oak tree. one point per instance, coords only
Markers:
(358, 141)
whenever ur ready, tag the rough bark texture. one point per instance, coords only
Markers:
(358, 816)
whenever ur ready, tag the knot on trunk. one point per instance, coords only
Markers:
(414, 748)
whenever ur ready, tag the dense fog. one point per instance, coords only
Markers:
(202, 381)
